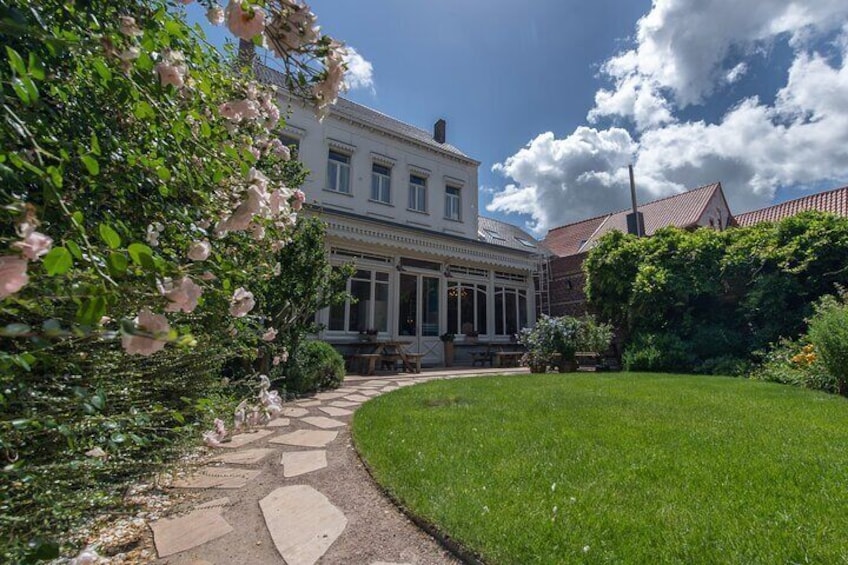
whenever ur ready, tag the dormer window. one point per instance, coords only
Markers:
(338, 172)
(381, 183)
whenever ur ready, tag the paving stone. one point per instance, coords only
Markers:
(346, 389)
(371, 392)
(299, 462)
(405, 383)
(240, 440)
(173, 535)
(306, 438)
(329, 395)
(323, 422)
(309, 403)
(389, 388)
(245, 457)
(357, 398)
(217, 503)
(333, 411)
(217, 477)
(375, 383)
(302, 523)
(344, 404)
(389, 563)
(293, 412)
(278, 423)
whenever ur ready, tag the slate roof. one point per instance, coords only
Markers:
(370, 117)
(681, 210)
(834, 201)
(500, 233)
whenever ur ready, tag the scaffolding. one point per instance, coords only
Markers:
(542, 284)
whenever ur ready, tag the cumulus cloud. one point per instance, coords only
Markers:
(801, 138)
(360, 72)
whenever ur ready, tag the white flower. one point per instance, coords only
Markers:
(183, 295)
(147, 322)
(215, 15)
(96, 452)
(270, 335)
(199, 250)
(241, 303)
(34, 245)
(13, 275)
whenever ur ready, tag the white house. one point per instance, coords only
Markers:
(401, 204)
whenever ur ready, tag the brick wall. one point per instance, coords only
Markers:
(567, 282)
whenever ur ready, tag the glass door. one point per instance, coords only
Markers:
(418, 314)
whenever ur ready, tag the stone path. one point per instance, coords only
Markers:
(295, 492)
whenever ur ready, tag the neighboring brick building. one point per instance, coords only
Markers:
(834, 201)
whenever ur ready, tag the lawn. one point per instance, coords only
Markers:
(624, 468)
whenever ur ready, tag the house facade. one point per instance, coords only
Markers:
(400, 203)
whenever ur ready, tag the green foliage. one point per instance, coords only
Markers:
(656, 352)
(795, 363)
(316, 365)
(724, 294)
(593, 336)
(551, 337)
(828, 333)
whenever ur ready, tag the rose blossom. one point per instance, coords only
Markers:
(150, 323)
(13, 275)
(129, 27)
(183, 295)
(34, 245)
(298, 198)
(215, 15)
(199, 250)
(270, 335)
(245, 24)
(242, 303)
(170, 74)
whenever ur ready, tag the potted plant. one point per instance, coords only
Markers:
(552, 340)
(369, 334)
(447, 339)
(538, 361)
(469, 332)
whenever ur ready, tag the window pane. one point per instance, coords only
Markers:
(381, 306)
(382, 276)
(381, 169)
(358, 320)
(422, 199)
(466, 306)
(453, 309)
(332, 176)
(481, 310)
(499, 312)
(375, 187)
(511, 310)
(344, 178)
(430, 307)
(522, 310)
(337, 313)
(411, 197)
(407, 305)
(340, 157)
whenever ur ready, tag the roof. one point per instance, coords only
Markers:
(368, 116)
(834, 201)
(681, 210)
(496, 232)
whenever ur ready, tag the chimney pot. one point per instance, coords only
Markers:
(439, 131)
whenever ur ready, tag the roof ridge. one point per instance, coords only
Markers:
(794, 200)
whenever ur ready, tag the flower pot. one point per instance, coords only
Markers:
(448, 353)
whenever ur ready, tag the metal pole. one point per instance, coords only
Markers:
(632, 188)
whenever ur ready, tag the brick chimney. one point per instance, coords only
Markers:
(439, 131)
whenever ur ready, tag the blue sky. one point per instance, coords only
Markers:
(556, 97)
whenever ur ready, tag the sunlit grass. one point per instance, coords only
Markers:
(627, 468)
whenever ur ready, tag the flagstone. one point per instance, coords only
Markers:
(302, 523)
(389, 388)
(357, 398)
(173, 535)
(306, 438)
(346, 389)
(294, 412)
(216, 503)
(299, 462)
(344, 404)
(371, 392)
(309, 403)
(329, 395)
(244, 457)
(217, 477)
(333, 411)
(323, 422)
(378, 382)
(240, 440)
(278, 423)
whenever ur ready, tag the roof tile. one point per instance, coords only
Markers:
(834, 201)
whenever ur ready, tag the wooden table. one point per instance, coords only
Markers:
(373, 351)
(507, 353)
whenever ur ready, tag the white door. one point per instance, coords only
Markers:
(418, 315)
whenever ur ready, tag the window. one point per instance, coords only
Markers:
(510, 310)
(452, 202)
(370, 307)
(338, 172)
(466, 307)
(417, 193)
(381, 183)
(292, 143)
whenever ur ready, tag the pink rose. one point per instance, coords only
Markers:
(199, 250)
(270, 335)
(13, 275)
(298, 198)
(183, 295)
(241, 303)
(147, 322)
(34, 245)
(170, 74)
(245, 24)
(129, 27)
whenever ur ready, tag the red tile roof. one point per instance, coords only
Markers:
(833, 201)
(682, 210)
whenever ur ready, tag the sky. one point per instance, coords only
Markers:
(556, 97)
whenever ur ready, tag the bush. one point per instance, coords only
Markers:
(593, 336)
(828, 333)
(727, 365)
(316, 366)
(656, 352)
(795, 363)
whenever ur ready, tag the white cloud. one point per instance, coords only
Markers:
(681, 46)
(736, 73)
(360, 72)
(754, 148)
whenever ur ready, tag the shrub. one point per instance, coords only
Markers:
(656, 352)
(795, 363)
(828, 333)
(728, 365)
(316, 365)
(593, 336)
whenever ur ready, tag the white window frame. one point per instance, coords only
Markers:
(519, 293)
(453, 203)
(417, 194)
(339, 165)
(371, 314)
(382, 191)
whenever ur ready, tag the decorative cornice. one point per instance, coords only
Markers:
(420, 171)
(341, 145)
(294, 130)
(383, 160)
(453, 181)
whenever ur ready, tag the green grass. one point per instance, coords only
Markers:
(627, 468)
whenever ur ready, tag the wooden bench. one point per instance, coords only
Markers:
(414, 359)
(587, 360)
(481, 357)
(368, 360)
(508, 358)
